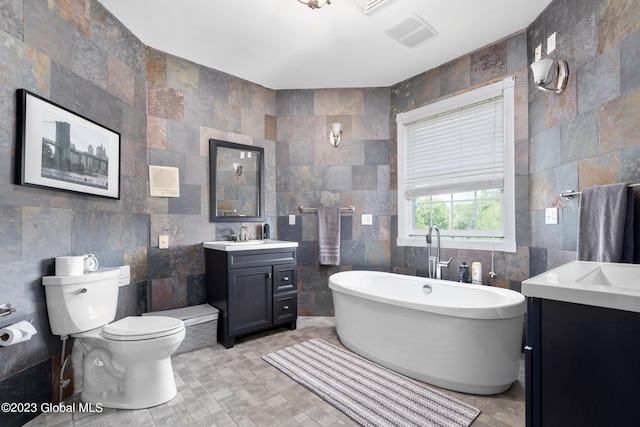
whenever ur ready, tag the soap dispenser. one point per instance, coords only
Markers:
(464, 273)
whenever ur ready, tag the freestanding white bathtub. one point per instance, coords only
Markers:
(460, 337)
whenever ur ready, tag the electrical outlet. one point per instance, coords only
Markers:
(367, 219)
(551, 43)
(163, 242)
(551, 216)
(538, 53)
(292, 220)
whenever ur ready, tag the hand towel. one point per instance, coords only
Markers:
(605, 228)
(329, 235)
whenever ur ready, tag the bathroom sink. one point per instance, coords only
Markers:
(608, 285)
(245, 242)
(247, 245)
(617, 275)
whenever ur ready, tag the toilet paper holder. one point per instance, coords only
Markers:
(6, 309)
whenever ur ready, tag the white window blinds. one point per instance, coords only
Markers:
(455, 151)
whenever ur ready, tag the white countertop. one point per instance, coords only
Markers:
(248, 245)
(599, 284)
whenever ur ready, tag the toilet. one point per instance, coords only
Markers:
(127, 363)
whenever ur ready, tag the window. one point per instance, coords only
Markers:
(456, 170)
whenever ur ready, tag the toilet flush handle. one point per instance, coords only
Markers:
(81, 291)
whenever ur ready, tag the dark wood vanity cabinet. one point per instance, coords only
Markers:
(581, 365)
(253, 289)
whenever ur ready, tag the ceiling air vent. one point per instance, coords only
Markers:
(368, 5)
(411, 31)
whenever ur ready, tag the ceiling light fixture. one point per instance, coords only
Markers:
(315, 4)
(550, 75)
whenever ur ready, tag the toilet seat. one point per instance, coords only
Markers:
(136, 328)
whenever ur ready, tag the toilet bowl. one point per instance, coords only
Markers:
(127, 363)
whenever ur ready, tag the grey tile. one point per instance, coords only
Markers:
(545, 150)
(297, 102)
(516, 52)
(580, 137)
(599, 80)
(630, 62)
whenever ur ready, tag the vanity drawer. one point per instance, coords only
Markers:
(285, 307)
(284, 278)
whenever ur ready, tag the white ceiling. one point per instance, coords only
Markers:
(283, 44)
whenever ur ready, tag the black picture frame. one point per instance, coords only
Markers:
(60, 149)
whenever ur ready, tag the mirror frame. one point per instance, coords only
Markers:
(213, 157)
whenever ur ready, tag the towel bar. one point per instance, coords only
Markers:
(304, 209)
(570, 193)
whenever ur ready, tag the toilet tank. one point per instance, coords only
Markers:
(81, 303)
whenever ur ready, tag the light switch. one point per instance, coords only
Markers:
(163, 242)
(551, 216)
(538, 53)
(367, 219)
(292, 220)
(551, 43)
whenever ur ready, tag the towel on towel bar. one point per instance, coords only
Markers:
(329, 235)
(605, 229)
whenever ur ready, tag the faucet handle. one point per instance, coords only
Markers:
(445, 263)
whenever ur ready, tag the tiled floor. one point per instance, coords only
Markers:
(235, 387)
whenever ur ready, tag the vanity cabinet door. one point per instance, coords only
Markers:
(250, 299)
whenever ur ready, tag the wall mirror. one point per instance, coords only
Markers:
(237, 182)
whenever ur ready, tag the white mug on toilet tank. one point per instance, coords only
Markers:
(75, 265)
(69, 265)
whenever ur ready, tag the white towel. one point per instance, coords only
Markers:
(329, 235)
(605, 229)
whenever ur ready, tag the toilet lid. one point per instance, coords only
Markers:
(134, 328)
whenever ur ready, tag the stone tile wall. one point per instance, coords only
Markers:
(311, 172)
(188, 105)
(589, 134)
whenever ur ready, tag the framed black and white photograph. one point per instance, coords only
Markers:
(62, 150)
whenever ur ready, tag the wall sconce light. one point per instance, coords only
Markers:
(237, 168)
(550, 75)
(335, 136)
(315, 4)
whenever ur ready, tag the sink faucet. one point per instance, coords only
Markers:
(244, 233)
(435, 263)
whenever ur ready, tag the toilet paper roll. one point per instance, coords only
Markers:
(18, 332)
(69, 266)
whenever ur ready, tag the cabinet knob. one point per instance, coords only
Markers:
(286, 307)
(285, 279)
(268, 275)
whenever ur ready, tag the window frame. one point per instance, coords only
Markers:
(504, 88)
